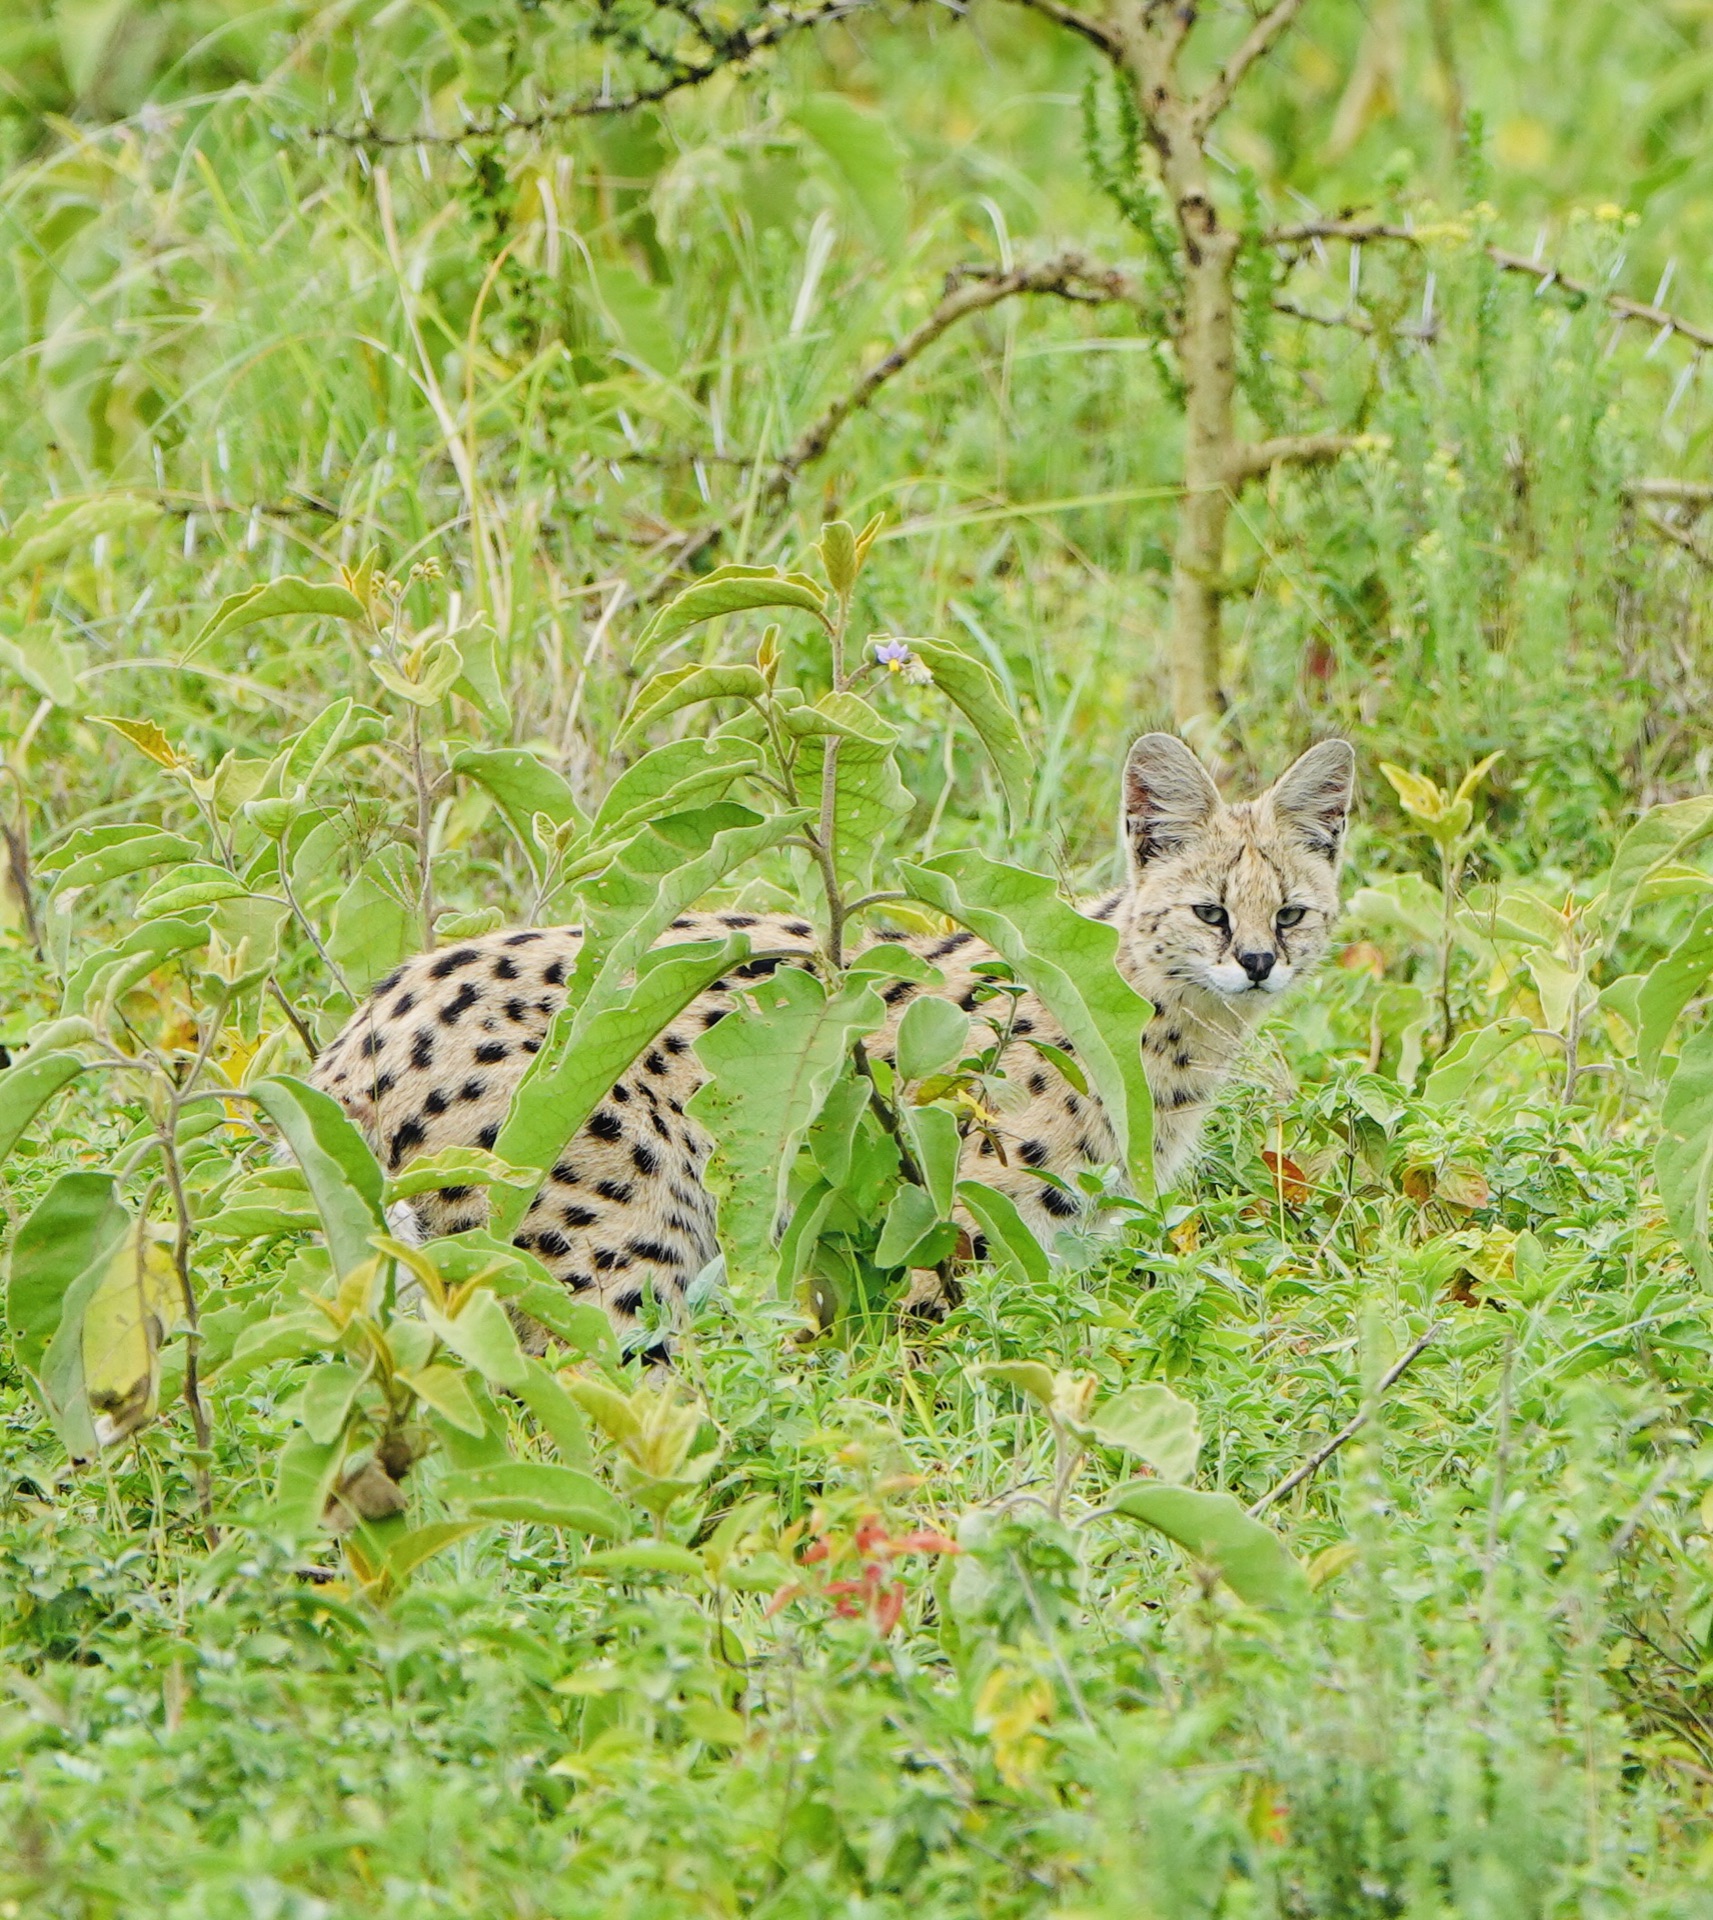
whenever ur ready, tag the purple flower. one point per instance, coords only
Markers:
(894, 654)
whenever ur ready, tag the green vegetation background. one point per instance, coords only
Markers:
(566, 360)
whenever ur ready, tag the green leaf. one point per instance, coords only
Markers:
(732, 590)
(1027, 1376)
(1670, 985)
(771, 1063)
(307, 1471)
(550, 1496)
(106, 977)
(326, 1399)
(95, 855)
(558, 1414)
(975, 690)
(522, 786)
(1068, 960)
(482, 1337)
(870, 799)
(480, 682)
(447, 1390)
(1010, 1243)
(1059, 1060)
(613, 1412)
(46, 532)
(374, 920)
(579, 1325)
(28, 1087)
(71, 1232)
(1154, 1424)
(283, 1336)
(408, 1551)
(682, 775)
(933, 1034)
(1661, 835)
(272, 598)
(1468, 1059)
(863, 152)
(669, 693)
(431, 677)
(46, 665)
(911, 1219)
(1683, 1161)
(934, 1136)
(646, 1556)
(344, 1179)
(187, 887)
(1214, 1529)
(453, 1167)
(581, 1058)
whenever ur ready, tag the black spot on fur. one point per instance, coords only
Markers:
(677, 1107)
(403, 1004)
(978, 1246)
(660, 1125)
(714, 1016)
(532, 1046)
(551, 1243)
(799, 929)
(436, 1103)
(621, 1093)
(1180, 1060)
(902, 990)
(656, 1061)
(676, 1043)
(737, 919)
(578, 1282)
(449, 963)
(620, 1192)
(464, 1223)
(1182, 1097)
(1060, 1205)
(565, 1174)
(1023, 1026)
(759, 969)
(629, 1302)
(610, 1260)
(383, 1085)
(371, 1045)
(505, 967)
(968, 1002)
(950, 944)
(517, 1010)
(491, 1052)
(553, 974)
(1034, 1153)
(387, 985)
(1106, 909)
(472, 1090)
(454, 1193)
(488, 1135)
(519, 939)
(680, 924)
(411, 1134)
(579, 1216)
(606, 1126)
(662, 1256)
(1073, 1106)
(644, 1159)
(465, 998)
(1037, 1083)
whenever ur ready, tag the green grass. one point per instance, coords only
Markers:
(1501, 1701)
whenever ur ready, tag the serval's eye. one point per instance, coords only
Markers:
(1292, 916)
(1212, 916)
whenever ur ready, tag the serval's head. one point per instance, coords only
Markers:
(1237, 900)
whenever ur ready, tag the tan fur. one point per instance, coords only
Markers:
(432, 1059)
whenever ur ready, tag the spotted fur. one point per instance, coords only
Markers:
(1224, 907)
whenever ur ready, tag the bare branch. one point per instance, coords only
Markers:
(1683, 492)
(1360, 233)
(1069, 276)
(1288, 449)
(1096, 32)
(1256, 45)
(730, 51)
(1321, 1455)
(1680, 537)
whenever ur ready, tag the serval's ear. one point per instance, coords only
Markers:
(1312, 797)
(1168, 797)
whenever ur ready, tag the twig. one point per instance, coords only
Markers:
(1256, 45)
(1096, 32)
(1363, 232)
(732, 50)
(1321, 1455)
(1679, 537)
(1068, 275)
(1696, 493)
(1288, 449)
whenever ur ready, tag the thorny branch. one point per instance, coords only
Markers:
(728, 49)
(1256, 45)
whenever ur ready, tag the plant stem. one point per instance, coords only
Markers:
(1450, 867)
(424, 824)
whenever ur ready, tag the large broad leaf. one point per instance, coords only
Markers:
(582, 1057)
(344, 1178)
(673, 779)
(863, 152)
(375, 920)
(1469, 1059)
(1153, 1423)
(106, 977)
(73, 1230)
(931, 1037)
(552, 1496)
(269, 600)
(482, 1337)
(973, 687)
(94, 855)
(732, 590)
(135, 1301)
(669, 693)
(1010, 1243)
(1669, 987)
(523, 785)
(1661, 835)
(869, 797)
(26, 1088)
(1070, 961)
(1683, 1162)
(1211, 1527)
(771, 1064)
(45, 664)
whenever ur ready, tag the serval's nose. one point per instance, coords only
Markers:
(1256, 965)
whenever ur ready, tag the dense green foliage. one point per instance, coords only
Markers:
(501, 400)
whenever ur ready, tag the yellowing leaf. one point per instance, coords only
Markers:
(147, 738)
(135, 1301)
